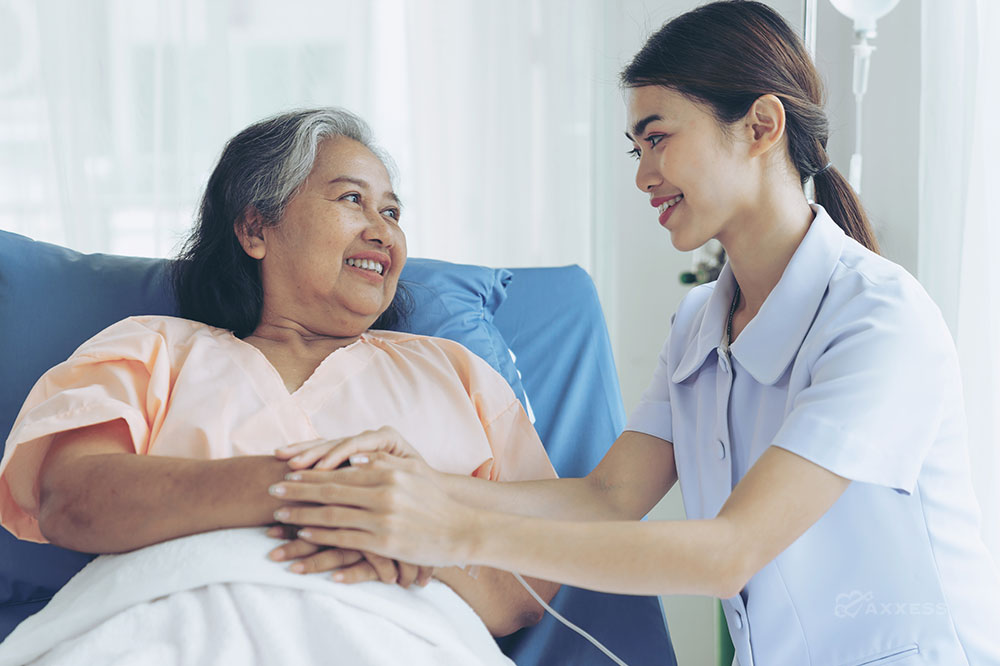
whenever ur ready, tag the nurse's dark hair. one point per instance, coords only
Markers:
(261, 168)
(724, 56)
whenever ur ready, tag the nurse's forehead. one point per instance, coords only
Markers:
(648, 104)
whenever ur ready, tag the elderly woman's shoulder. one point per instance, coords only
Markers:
(140, 331)
(426, 347)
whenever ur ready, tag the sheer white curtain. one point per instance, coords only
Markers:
(112, 113)
(959, 224)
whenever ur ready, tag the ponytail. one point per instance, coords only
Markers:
(727, 54)
(835, 194)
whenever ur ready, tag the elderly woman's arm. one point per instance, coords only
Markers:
(500, 601)
(96, 497)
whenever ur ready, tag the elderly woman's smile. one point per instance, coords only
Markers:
(370, 262)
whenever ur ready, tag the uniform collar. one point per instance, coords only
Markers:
(772, 338)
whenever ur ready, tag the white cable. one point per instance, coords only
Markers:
(556, 615)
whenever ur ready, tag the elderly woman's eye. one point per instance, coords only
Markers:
(392, 213)
(353, 197)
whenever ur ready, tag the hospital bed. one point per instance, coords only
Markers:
(52, 299)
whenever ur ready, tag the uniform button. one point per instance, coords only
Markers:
(738, 619)
(722, 450)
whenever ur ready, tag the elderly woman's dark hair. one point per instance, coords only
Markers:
(261, 169)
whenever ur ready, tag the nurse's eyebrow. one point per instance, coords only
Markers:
(641, 125)
(363, 184)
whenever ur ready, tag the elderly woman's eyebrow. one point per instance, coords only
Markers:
(364, 185)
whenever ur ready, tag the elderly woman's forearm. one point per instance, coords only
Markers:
(501, 602)
(115, 502)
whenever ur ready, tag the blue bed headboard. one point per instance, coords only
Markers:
(52, 299)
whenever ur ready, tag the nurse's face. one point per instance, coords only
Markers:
(692, 170)
(332, 262)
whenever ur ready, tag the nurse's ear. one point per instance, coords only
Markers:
(764, 125)
(249, 229)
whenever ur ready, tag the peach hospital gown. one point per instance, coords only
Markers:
(190, 390)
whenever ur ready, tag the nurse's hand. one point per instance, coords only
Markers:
(348, 566)
(331, 454)
(390, 506)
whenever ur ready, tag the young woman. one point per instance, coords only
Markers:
(809, 402)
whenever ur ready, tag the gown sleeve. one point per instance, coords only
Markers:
(123, 372)
(517, 452)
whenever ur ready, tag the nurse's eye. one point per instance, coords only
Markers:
(635, 153)
(655, 139)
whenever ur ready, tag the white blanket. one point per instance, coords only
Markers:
(215, 598)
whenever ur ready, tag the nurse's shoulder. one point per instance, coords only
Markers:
(867, 289)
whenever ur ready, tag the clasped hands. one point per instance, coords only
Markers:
(351, 520)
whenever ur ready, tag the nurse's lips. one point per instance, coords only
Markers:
(666, 206)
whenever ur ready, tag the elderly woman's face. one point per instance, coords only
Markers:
(332, 263)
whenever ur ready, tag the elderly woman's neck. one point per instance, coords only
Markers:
(298, 339)
(295, 351)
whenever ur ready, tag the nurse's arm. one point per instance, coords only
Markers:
(780, 497)
(387, 509)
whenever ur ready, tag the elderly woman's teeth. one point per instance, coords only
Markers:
(670, 202)
(365, 264)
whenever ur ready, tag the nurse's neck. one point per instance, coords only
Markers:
(761, 243)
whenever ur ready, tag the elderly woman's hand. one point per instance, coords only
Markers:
(330, 454)
(349, 566)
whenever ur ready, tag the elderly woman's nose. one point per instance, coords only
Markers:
(378, 228)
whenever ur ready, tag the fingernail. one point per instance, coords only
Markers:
(305, 534)
(277, 490)
(338, 577)
(281, 514)
(358, 459)
(293, 477)
(298, 567)
(278, 555)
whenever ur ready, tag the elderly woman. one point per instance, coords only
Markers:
(161, 427)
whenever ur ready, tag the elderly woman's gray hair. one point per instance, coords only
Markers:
(260, 170)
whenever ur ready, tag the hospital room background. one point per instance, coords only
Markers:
(505, 120)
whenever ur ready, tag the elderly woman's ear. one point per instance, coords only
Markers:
(249, 230)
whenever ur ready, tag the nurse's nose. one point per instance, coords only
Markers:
(647, 175)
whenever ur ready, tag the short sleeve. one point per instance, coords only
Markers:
(652, 416)
(879, 389)
(517, 453)
(121, 373)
